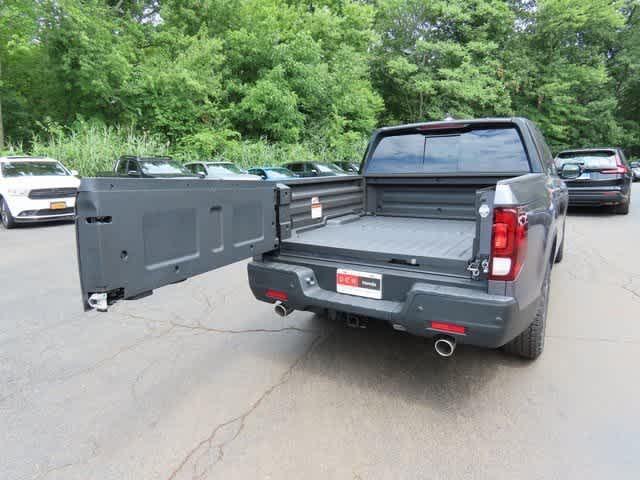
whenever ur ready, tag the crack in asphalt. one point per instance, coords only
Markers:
(240, 419)
(92, 367)
(200, 327)
(118, 352)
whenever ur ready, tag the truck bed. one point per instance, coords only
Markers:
(414, 241)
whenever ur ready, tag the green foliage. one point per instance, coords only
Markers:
(92, 147)
(267, 81)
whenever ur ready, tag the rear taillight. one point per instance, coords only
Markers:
(277, 295)
(508, 243)
(448, 327)
(620, 167)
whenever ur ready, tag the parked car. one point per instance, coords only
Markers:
(314, 169)
(635, 170)
(605, 177)
(349, 167)
(150, 167)
(451, 232)
(272, 173)
(36, 189)
(220, 170)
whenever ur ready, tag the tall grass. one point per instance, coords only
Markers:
(92, 147)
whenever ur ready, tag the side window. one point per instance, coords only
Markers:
(295, 167)
(547, 156)
(133, 165)
(122, 166)
(623, 157)
(196, 168)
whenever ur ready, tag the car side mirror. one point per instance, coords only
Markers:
(133, 173)
(74, 173)
(314, 172)
(570, 171)
(201, 175)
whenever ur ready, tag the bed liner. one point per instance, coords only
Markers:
(389, 238)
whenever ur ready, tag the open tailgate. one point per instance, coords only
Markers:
(135, 235)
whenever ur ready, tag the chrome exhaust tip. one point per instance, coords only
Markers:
(445, 346)
(283, 309)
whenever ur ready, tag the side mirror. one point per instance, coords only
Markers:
(569, 171)
(133, 173)
(74, 173)
(314, 172)
(201, 175)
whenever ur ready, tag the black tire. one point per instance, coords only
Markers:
(5, 215)
(622, 209)
(530, 343)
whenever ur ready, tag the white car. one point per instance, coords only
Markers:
(36, 189)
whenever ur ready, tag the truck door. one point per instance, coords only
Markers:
(135, 235)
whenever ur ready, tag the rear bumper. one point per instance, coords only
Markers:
(598, 196)
(490, 320)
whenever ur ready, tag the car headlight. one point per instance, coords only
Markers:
(18, 192)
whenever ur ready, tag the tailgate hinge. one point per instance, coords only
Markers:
(479, 268)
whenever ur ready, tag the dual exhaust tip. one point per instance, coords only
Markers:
(444, 345)
(282, 309)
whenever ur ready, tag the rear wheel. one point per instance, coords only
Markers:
(530, 343)
(5, 215)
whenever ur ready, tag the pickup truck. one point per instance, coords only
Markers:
(450, 232)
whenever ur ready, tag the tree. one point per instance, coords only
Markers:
(441, 57)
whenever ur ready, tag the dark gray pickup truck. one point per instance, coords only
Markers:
(450, 232)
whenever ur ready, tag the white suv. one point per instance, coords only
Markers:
(36, 189)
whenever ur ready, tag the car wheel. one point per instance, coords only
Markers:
(5, 215)
(530, 343)
(623, 208)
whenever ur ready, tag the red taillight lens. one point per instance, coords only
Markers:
(448, 327)
(509, 243)
(277, 295)
(620, 167)
(500, 235)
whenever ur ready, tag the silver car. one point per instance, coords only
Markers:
(220, 171)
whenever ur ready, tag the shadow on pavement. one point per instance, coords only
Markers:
(604, 211)
(399, 364)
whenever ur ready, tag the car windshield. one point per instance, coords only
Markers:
(589, 160)
(230, 167)
(485, 150)
(279, 172)
(163, 167)
(328, 168)
(33, 169)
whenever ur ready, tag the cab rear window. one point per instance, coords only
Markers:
(481, 150)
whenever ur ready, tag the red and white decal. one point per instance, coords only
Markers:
(362, 284)
(316, 208)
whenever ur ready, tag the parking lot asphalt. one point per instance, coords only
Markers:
(201, 381)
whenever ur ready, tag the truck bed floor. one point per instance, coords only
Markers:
(401, 236)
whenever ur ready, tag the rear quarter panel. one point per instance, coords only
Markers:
(535, 192)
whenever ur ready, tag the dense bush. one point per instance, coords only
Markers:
(263, 81)
(92, 147)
